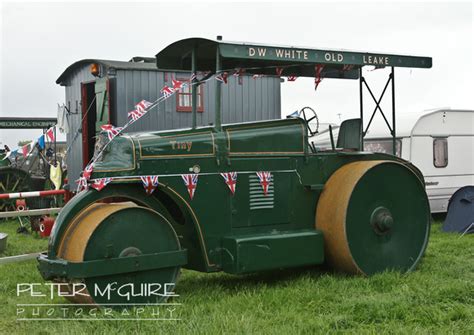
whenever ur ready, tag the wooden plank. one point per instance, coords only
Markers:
(31, 212)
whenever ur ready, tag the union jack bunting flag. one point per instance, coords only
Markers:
(265, 179)
(143, 105)
(230, 179)
(136, 114)
(150, 183)
(291, 78)
(190, 180)
(279, 71)
(99, 184)
(111, 130)
(167, 91)
(88, 171)
(347, 67)
(81, 184)
(177, 85)
(317, 79)
(239, 73)
(222, 77)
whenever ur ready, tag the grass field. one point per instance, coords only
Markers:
(437, 298)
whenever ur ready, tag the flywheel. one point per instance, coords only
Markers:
(375, 216)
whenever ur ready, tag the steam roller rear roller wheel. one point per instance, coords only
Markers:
(374, 216)
(119, 230)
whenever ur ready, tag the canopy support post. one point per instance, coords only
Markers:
(361, 101)
(218, 97)
(194, 86)
(394, 134)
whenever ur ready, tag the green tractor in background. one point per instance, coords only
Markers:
(360, 212)
(13, 180)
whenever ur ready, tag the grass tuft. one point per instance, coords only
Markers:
(436, 298)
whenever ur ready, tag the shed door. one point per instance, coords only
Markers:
(102, 94)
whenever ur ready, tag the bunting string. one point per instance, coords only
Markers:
(143, 107)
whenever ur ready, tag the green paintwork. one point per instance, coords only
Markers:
(385, 231)
(13, 180)
(109, 266)
(164, 146)
(350, 134)
(264, 58)
(252, 253)
(3, 161)
(102, 103)
(120, 155)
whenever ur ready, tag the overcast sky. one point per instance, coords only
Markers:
(40, 39)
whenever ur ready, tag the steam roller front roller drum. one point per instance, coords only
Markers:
(120, 230)
(374, 216)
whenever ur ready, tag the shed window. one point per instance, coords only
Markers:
(440, 152)
(184, 99)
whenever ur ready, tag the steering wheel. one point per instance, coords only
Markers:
(308, 114)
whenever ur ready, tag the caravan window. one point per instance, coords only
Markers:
(440, 152)
(384, 146)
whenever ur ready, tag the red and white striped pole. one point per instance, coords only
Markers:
(34, 194)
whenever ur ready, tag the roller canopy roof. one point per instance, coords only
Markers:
(263, 59)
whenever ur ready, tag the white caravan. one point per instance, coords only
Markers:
(440, 144)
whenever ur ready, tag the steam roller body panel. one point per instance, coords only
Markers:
(342, 208)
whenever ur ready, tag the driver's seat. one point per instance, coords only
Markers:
(350, 135)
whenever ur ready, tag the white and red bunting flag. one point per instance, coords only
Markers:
(143, 105)
(136, 114)
(88, 171)
(100, 183)
(177, 85)
(318, 78)
(222, 77)
(291, 78)
(25, 149)
(376, 67)
(190, 180)
(279, 71)
(50, 134)
(265, 180)
(150, 183)
(256, 76)
(111, 131)
(230, 179)
(81, 184)
(167, 91)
